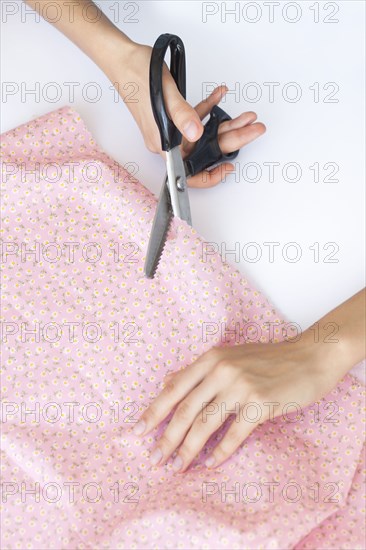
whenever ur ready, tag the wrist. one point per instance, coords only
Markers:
(115, 53)
(325, 352)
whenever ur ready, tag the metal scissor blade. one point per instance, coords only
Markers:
(160, 228)
(177, 181)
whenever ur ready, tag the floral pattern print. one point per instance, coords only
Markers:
(87, 340)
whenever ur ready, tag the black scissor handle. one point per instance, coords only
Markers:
(207, 151)
(170, 135)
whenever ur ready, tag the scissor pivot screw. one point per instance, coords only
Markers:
(180, 183)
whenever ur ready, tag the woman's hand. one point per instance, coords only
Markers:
(127, 63)
(225, 380)
(132, 73)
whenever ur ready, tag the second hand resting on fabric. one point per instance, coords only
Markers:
(225, 378)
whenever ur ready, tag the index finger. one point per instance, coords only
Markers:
(204, 107)
(176, 388)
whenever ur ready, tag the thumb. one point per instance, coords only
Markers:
(184, 116)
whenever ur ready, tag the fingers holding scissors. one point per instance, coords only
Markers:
(232, 135)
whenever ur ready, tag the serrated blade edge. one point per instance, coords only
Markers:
(159, 231)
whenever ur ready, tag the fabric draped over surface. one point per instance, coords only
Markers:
(75, 231)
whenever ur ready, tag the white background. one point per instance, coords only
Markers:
(238, 52)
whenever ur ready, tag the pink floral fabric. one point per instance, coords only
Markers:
(87, 340)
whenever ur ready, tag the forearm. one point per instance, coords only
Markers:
(345, 348)
(101, 40)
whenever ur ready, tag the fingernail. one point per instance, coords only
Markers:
(190, 131)
(177, 464)
(139, 428)
(210, 461)
(156, 456)
(220, 89)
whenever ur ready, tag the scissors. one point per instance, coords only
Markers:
(174, 200)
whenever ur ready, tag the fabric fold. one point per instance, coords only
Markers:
(87, 341)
